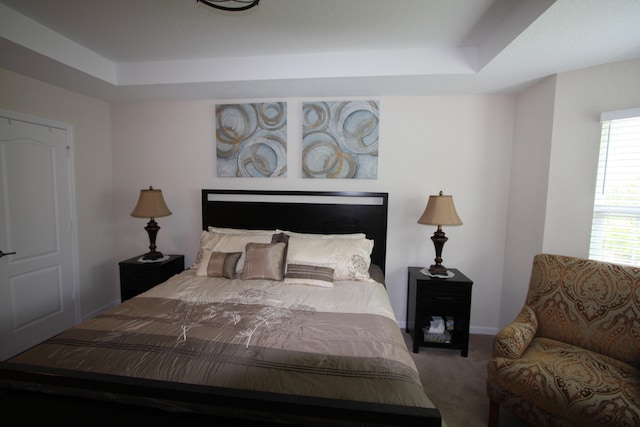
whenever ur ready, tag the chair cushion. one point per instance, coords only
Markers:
(579, 385)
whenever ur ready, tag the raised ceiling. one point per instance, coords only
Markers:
(139, 50)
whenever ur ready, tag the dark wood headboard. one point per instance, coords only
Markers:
(325, 212)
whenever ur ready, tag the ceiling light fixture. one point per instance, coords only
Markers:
(230, 5)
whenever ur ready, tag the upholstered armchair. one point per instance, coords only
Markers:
(572, 355)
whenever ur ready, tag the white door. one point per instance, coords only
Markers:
(38, 282)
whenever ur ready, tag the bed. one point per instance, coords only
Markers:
(283, 319)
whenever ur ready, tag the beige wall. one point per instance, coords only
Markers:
(521, 169)
(554, 167)
(91, 126)
(580, 98)
(461, 145)
(527, 193)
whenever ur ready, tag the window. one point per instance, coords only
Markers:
(615, 231)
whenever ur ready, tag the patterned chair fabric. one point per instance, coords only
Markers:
(572, 355)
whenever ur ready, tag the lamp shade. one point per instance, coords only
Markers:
(150, 205)
(440, 211)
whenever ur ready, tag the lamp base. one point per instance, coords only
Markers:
(439, 239)
(152, 228)
(438, 269)
(152, 255)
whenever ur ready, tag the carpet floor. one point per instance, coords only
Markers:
(457, 385)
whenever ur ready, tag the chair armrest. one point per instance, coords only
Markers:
(514, 339)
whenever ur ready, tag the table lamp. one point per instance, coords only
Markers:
(151, 205)
(439, 211)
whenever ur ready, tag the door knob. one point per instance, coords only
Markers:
(6, 253)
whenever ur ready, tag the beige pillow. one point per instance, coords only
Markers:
(313, 275)
(218, 264)
(351, 257)
(205, 242)
(263, 261)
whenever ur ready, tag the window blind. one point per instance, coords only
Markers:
(615, 231)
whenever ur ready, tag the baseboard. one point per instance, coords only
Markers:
(483, 330)
(100, 310)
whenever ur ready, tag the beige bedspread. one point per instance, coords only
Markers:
(340, 342)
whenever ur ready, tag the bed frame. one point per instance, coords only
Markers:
(67, 397)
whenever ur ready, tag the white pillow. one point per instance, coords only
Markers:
(351, 257)
(355, 236)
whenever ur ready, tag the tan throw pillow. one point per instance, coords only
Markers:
(313, 275)
(263, 261)
(218, 264)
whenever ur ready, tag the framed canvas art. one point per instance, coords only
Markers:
(251, 139)
(340, 139)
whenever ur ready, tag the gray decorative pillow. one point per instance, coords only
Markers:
(263, 261)
(282, 237)
(218, 264)
(314, 275)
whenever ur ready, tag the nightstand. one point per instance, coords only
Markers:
(137, 277)
(431, 299)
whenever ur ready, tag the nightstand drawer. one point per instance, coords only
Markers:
(137, 277)
(143, 275)
(427, 297)
(443, 307)
(138, 283)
